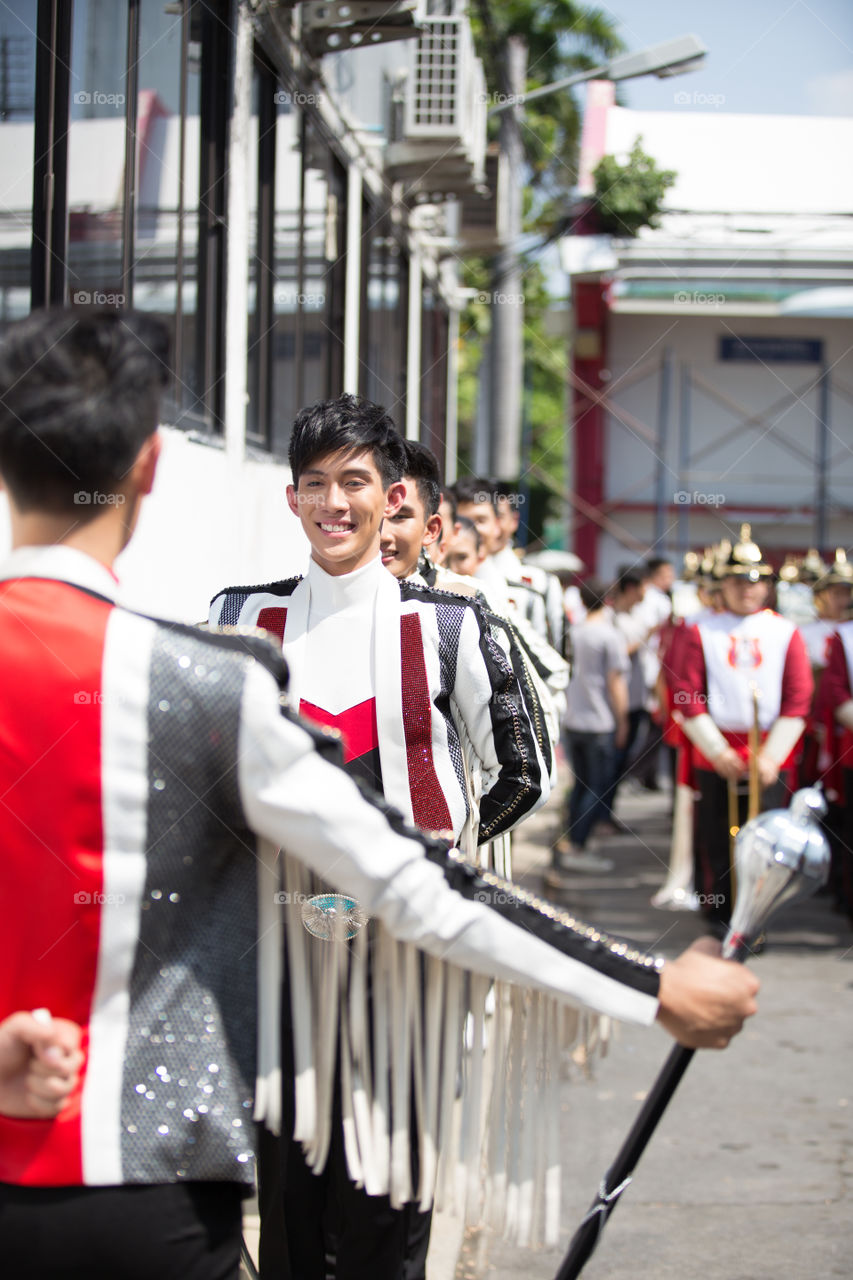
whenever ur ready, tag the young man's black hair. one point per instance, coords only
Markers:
(81, 397)
(347, 423)
(593, 593)
(629, 578)
(657, 562)
(503, 489)
(635, 568)
(475, 489)
(421, 466)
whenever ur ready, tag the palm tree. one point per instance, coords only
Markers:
(562, 38)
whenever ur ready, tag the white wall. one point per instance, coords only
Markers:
(748, 163)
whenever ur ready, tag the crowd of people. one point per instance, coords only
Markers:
(253, 880)
(738, 689)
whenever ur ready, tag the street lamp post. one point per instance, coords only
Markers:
(685, 53)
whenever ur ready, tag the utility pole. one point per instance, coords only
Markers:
(507, 306)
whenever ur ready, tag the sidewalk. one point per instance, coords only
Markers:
(750, 1173)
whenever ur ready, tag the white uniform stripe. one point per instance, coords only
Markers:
(124, 734)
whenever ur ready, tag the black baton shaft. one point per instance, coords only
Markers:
(586, 1238)
(588, 1233)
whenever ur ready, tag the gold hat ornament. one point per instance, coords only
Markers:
(790, 571)
(839, 573)
(745, 559)
(720, 553)
(812, 568)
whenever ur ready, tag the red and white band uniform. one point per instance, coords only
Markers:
(834, 711)
(723, 660)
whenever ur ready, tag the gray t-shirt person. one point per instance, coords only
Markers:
(598, 648)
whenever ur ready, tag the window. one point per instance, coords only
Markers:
(434, 335)
(297, 264)
(17, 117)
(129, 146)
(384, 317)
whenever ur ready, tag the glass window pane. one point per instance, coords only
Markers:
(434, 331)
(384, 351)
(96, 149)
(17, 101)
(286, 308)
(167, 183)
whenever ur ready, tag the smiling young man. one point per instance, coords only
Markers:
(377, 659)
(414, 682)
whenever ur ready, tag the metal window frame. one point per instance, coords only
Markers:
(49, 251)
(215, 95)
(261, 366)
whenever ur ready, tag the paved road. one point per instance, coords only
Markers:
(750, 1175)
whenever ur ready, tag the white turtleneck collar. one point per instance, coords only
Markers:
(332, 593)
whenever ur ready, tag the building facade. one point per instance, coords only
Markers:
(224, 164)
(712, 369)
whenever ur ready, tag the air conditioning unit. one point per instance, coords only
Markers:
(440, 133)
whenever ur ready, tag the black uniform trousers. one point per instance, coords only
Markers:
(321, 1226)
(715, 882)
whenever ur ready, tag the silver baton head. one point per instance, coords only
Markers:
(780, 856)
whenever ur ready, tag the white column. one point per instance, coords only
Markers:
(352, 297)
(451, 444)
(413, 361)
(237, 254)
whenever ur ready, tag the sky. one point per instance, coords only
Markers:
(783, 57)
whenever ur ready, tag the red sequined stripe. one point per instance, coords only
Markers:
(429, 806)
(273, 620)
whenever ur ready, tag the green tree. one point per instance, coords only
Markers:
(562, 39)
(628, 196)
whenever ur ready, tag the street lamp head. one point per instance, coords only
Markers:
(671, 58)
(692, 64)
